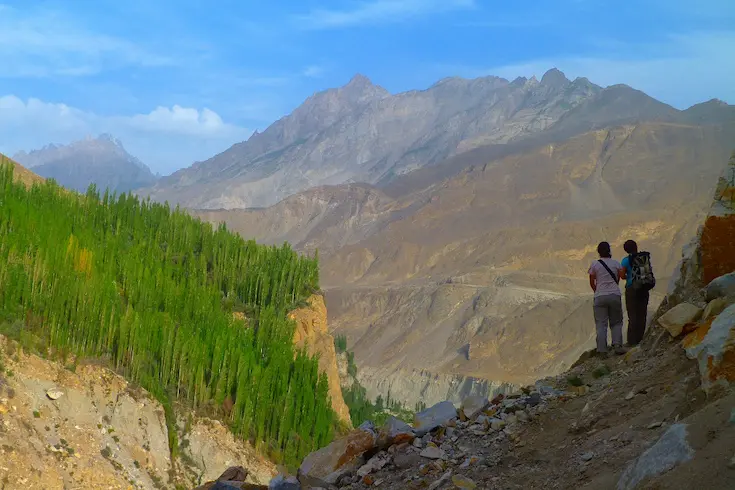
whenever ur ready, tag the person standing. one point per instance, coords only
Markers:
(639, 280)
(608, 305)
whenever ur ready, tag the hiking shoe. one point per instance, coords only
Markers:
(620, 350)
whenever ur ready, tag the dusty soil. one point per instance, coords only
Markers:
(101, 432)
(623, 414)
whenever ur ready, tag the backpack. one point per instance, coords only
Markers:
(641, 272)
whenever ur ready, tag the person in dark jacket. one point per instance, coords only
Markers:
(636, 300)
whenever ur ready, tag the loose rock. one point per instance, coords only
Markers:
(474, 405)
(677, 317)
(375, 463)
(338, 454)
(434, 417)
(395, 431)
(432, 452)
(54, 393)
(446, 476)
(722, 286)
(463, 482)
(587, 456)
(715, 352)
(670, 450)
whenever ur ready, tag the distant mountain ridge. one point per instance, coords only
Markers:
(362, 133)
(102, 161)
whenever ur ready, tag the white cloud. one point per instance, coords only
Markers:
(166, 138)
(44, 43)
(377, 11)
(313, 71)
(683, 71)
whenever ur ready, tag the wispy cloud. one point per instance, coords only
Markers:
(166, 138)
(681, 70)
(378, 11)
(42, 43)
(313, 71)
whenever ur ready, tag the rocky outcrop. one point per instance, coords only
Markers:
(709, 262)
(83, 426)
(311, 332)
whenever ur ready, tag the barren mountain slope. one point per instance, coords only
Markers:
(483, 274)
(361, 133)
(21, 174)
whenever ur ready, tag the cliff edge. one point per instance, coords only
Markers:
(312, 332)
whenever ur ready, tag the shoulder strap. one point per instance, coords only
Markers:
(616, 279)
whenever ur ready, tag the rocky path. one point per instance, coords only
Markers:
(648, 419)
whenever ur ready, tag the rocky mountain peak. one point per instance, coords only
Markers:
(554, 78)
(101, 160)
(360, 88)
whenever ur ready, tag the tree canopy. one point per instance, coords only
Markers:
(157, 293)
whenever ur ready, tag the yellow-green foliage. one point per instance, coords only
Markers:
(153, 290)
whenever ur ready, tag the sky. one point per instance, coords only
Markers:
(179, 81)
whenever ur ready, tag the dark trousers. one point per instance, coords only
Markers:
(636, 302)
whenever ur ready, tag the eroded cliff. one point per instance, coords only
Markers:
(312, 332)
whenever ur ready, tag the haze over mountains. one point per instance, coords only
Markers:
(102, 161)
(362, 133)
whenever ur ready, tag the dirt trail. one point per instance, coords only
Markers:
(587, 437)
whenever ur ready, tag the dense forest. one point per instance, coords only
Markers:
(155, 292)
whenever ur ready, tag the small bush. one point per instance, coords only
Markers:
(600, 371)
(575, 381)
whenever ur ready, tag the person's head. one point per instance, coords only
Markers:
(630, 247)
(604, 250)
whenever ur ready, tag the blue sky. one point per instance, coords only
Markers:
(180, 80)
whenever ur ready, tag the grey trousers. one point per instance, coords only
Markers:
(609, 310)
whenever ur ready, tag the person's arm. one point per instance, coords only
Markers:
(623, 270)
(593, 283)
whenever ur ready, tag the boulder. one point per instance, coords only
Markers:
(670, 450)
(282, 483)
(395, 431)
(720, 287)
(434, 417)
(234, 478)
(715, 350)
(341, 454)
(677, 317)
(717, 306)
(474, 405)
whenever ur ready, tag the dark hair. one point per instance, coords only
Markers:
(604, 250)
(631, 247)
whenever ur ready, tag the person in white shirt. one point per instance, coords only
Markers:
(608, 304)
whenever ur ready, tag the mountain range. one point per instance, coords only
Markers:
(471, 268)
(455, 224)
(362, 133)
(102, 161)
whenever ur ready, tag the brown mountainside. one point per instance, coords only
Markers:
(482, 274)
(21, 173)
